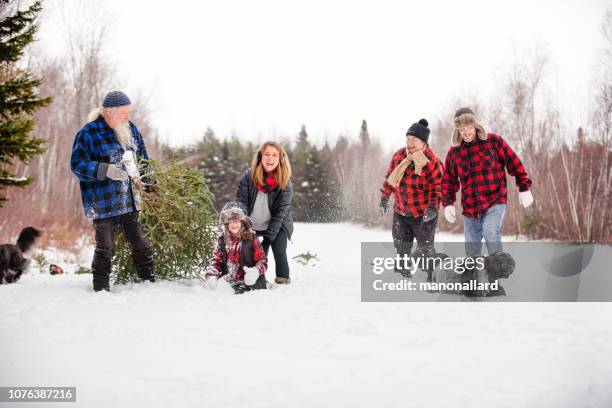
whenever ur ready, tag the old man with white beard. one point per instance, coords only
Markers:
(105, 158)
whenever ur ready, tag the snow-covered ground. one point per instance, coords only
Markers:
(312, 343)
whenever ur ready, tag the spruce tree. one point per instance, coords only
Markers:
(332, 192)
(19, 98)
(212, 166)
(233, 165)
(364, 135)
(340, 163)
(299, 178)
(238, 160)
(300, 153)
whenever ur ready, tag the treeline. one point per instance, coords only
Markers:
(330, 183)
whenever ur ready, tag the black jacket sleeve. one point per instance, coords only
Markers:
(242, 195)
(279, 211)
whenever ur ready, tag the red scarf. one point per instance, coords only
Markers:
(269, 183)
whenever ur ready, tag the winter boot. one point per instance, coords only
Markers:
(145, 273)
(403, 249)
(498, 266)
(101, 268)
(282, 281)
(240, 288)
(405, 272)
(472, 274)
(101, 282)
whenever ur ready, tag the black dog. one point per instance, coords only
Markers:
(12, 259)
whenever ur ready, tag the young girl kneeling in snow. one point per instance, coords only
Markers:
(238, 254)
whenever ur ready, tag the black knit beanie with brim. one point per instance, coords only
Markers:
(419, 130)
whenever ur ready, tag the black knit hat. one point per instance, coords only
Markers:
(419, 130)
(114, 99)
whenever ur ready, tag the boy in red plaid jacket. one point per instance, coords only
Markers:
(477, 164)
(414, 177)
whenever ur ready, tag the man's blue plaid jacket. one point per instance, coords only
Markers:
(102, 197)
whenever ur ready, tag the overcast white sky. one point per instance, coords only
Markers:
(262, 68)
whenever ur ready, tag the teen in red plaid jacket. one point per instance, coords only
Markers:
(415, 192)
(414, 178)
(477, 164)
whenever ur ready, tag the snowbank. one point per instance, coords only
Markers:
(311, 343)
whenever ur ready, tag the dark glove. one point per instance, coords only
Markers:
(384, 205)
(150, 188)
(269, 236)
(430, 214)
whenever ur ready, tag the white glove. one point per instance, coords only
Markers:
(211, 283)
(449, 214)
(251, 274)
(114, 172)
(525, 198)
(130, 164)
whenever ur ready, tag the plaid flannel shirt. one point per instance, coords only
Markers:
(102, 197)
(478, 168)
(414, 193)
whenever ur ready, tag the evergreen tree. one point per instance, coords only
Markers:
(19, 98)
(319, 192)
(300, 180)
(311, 186)
(332, 193)
(364, 135)
(316, 195)
(234, 162)
(300, 153)
(210, 151)
(341, 166)
(361, 172)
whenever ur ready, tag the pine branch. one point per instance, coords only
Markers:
(14, 141)
(16, 32)
(18, 95)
